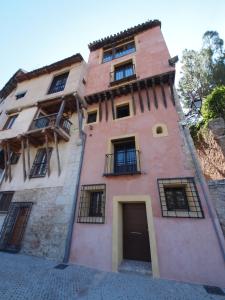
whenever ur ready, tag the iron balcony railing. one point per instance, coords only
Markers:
(123, 163)
(50, 120)
(123, 73)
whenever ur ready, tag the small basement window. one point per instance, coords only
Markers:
(92, 117)
(122, 111)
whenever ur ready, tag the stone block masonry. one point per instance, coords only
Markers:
(217, 191)
(47, 226)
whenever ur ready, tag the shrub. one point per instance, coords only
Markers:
(214, 105)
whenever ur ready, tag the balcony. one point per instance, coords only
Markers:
(122, 74)
(51, 121)
(126, 162)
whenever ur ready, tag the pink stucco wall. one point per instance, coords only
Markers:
(187, 249)
(151, 58)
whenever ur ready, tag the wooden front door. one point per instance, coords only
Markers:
(135, 232)
(14, 226)
(18, 228)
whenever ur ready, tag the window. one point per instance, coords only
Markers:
(58, 83)
(92, 204)
(159, 130)
(176, 198)
(179, 198)
(125, 160)
(118, 51)
(9, 122)
(122, 111)
(20, 95)
(95, 209)
(124, 71)
(5, 200)
(39, 167)
(92, 117)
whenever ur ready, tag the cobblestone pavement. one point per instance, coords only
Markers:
(24, 277)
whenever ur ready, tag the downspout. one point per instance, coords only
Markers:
(204, 189)
(73, 214)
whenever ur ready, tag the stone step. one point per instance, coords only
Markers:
(135, 266)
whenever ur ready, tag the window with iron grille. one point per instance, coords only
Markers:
(58, 83)
(179, 198)
(118, 51)
(39, 167)
(92, 204)
(9, 122)
(5, 200)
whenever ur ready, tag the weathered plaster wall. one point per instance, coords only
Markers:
(52, 196)
(37, 88)
(217, 190)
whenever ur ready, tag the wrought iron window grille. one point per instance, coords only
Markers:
(179, 198)
(92, 204)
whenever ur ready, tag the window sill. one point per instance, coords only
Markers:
(121, 174)
(37, 176)
(3, 212)
(125, 79)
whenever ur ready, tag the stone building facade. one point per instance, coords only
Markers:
(44, 139)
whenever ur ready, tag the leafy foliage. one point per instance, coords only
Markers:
(202, 70)
(214, 105)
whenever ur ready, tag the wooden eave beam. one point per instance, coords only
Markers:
(163, 92)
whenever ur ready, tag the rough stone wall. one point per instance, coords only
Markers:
(217, 191)
(47, 227)
(211, 156)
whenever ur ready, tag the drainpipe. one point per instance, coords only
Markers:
(73, 214)
(204, 189)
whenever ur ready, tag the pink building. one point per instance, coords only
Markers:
(141, 194)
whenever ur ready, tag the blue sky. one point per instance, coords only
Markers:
(37, 33)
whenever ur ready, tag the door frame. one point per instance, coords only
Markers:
(117, 232)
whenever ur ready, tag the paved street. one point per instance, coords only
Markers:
(24, 277)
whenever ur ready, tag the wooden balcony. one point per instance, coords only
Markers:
(48, 124)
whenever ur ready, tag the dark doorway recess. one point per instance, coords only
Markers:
(135, 232)
(14, 226)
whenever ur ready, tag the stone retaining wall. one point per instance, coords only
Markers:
(217, 191)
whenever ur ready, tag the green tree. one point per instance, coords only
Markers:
(214, 105)
(202, 70)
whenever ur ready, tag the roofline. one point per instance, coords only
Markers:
(22, 75)
(51, 68)
(123, 34)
